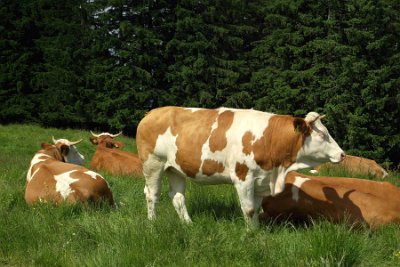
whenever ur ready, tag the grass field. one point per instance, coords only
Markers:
(100, 236)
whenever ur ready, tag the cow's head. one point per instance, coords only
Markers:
(68, 151)
(319, 146)
(106, 140)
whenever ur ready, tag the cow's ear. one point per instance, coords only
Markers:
(64, 149)
(301, 126)
(93, 140)
(109, 144)
(45, 145)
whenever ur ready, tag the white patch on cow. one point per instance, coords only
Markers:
(277, 181)
(166, 145)
(193, 109)
(33, 175)
(384, 173)
(64, 181)
(39, 157)
(93, 174)
(298, 181)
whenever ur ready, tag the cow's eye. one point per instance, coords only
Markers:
(323, 135)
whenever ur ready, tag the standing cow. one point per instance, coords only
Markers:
(114, 161)
(250, 149)
(53, 176)
(336, 199)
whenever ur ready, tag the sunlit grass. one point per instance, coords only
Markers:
(80, 235)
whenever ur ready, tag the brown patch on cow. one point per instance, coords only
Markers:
(211, 167)
(241, 170)
(355, 166)
(116, 161)
(106, 141)
(280, 143)
(52, 151)
(89, 189)
(42, 187)
(218, 139)
(155, 123)
(247, 139)
(338, 199)
(192, 129)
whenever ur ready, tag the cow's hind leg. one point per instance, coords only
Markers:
(152, 171)
(177, 184)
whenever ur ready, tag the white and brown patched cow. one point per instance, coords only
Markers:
(337, 199)
(355, 166)
(250, 149)
(54, 176)
(114, 161)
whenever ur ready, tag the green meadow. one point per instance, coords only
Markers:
(80, 235)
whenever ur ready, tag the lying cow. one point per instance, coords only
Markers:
(114, 161)
(53, 176)
(250, 149)
(337, 199)
(355, 165)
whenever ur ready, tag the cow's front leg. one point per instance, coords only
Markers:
(249, 202)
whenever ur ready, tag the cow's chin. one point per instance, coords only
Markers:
(336, 160)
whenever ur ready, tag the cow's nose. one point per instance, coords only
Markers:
(342, 156)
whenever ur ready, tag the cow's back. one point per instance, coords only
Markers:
(356, 166)
(383, 189)
(178, 121)
(336, 199)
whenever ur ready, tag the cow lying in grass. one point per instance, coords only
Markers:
(356, 201)
(355, 166)
(114, 161)
(54, 177)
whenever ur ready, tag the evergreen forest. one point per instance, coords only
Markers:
(102, 64)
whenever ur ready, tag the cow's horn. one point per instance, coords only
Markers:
(313, 116)
(75, 142)
(54, 140)
(115, 135)
(95, 135)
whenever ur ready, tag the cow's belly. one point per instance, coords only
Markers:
(212, 180)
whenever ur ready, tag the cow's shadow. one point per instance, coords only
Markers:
(336, 209)
(224, 208)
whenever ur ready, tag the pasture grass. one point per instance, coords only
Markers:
(80, 235)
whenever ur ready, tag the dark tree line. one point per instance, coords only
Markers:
(101, 64)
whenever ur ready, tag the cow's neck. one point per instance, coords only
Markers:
(53, 153)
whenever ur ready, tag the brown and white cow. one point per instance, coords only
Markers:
(250, 149)
(355, 166)
(337, 199)
(53, 176)
(114, 161)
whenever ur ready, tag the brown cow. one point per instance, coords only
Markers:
(114, 161)
(336, 199)
(355, 165)
(53, 177)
